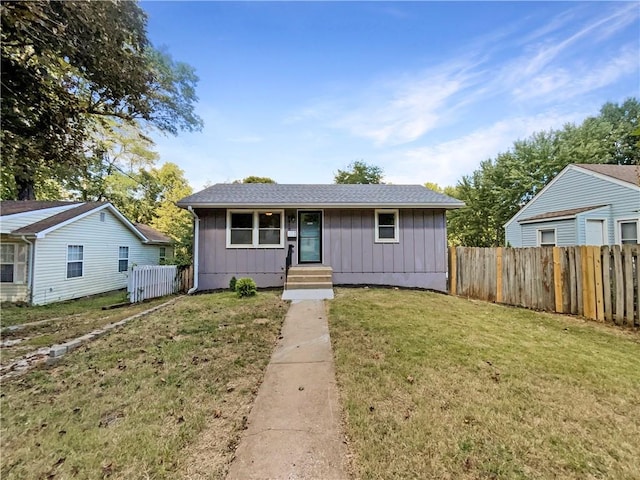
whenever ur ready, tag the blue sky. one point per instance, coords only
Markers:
(425, 90)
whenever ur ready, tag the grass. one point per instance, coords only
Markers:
(63, 321)
(164, 397)
(16, 314)
(442, 387)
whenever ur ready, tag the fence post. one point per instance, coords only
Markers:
(499, 296)
(452, 270)
(557, 279)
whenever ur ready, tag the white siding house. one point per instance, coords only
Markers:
(585, 204)
(76, 250)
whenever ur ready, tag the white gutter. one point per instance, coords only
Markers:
(32, 254)
(196, 244)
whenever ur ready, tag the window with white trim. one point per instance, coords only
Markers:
(13, 263)
(628, 231)
(163, 255)
(255, 229)
(123, 259)
(75, 260)
(547, 237)
(387, 226)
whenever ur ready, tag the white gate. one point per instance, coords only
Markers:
(151, 281)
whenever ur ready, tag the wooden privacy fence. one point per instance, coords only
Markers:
(600, 283)
(151, 281)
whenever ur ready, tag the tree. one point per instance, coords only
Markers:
(359, 172)
(501, 186)
(254, 179)
(69, 66)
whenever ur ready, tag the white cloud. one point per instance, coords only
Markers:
(549, 65)
(446, 162)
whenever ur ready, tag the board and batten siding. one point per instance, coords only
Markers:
(419, 259)
(576, 189)
(101, 241)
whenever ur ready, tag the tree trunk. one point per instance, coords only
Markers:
(25, 189)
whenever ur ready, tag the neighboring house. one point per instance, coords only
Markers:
(585, 204)
(53, 251)
(368, 234)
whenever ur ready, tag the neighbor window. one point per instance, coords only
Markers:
(547, 238)
(628, 231)
(163, 255)
(261, 229)
(13, 263)
(123, 259)
(75, 260)
(387, 226)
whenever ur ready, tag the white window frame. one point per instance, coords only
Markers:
(255, 230)
(19, 268)
(539, 237)
(74, 261)
(162, 255)
(396, 231)
(620, 221)
(121, 258)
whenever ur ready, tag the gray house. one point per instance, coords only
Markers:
(363, 234)
(585, 204)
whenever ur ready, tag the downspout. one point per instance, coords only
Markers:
(196, 244)
(32, 254)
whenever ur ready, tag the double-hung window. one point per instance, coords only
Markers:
(75, 260)
(123, 259)
(387, 226)
(628, 231)
(163, 255)
(7, 262)
(547, 237)
(13, 263)
(255, 229)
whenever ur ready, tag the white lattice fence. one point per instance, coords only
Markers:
(151, 281)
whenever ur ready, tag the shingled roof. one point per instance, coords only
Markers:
(75, 210)
(306, 195)
(626, 173)
(153, 235)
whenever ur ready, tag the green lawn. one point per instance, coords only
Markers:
(164, 397)
(446, 388)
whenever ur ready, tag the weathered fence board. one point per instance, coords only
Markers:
(600, 283)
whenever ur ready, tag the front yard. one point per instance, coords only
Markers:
(446, 388)
(164, 397)
(46, 325)
(432, 387)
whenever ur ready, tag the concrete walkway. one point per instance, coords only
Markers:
(294, 429)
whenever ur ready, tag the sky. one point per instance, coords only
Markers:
(425, 90)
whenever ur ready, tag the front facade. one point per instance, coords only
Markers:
(367, 234)
(51, 253)
(584, 204)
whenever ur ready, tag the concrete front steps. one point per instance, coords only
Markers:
(309, 282)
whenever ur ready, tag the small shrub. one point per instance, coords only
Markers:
(232, 284)
(246, 287)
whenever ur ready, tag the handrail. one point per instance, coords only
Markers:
(288, 261)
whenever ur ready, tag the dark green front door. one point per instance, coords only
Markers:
(310, 237)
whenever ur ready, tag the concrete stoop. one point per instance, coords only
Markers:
(309, 282)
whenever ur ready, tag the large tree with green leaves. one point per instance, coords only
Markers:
(359, 172)
(501, 186)
(67, 68)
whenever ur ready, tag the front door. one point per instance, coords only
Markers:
(309, 237)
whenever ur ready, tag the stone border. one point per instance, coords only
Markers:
(55, 352)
